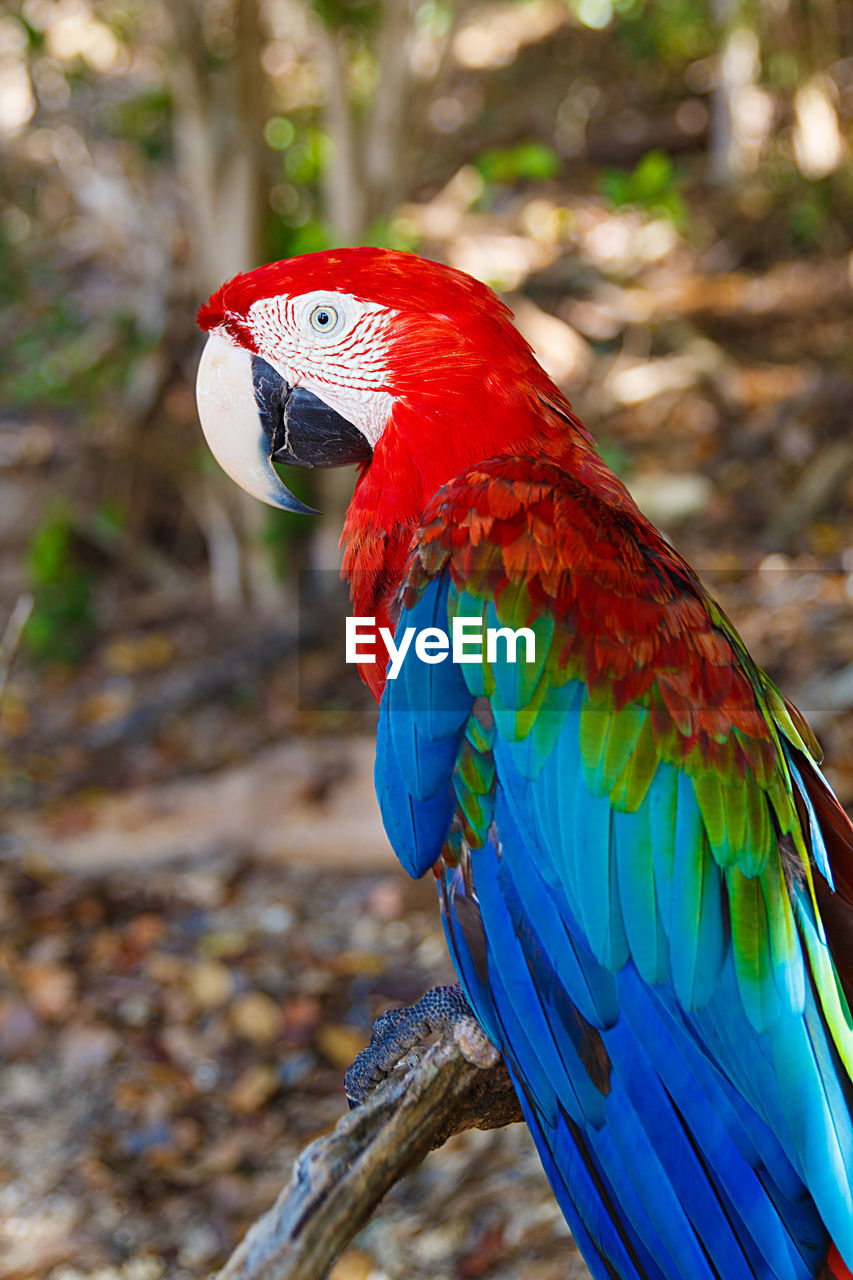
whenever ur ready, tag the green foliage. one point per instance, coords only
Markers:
(809, 213)
(296, 225)
(35, 38)
(393, 233)
(672, 31)
(296, 198)
(435, 17)
(279, 133)
(313, 237)
(54, 356)
(617, 458)
(145, 121)
(111, 520)
(52, 352)
(526, 161)
(306, 158)
(653, 184)
(13, 279)
(34, 359)
(349, 13)
(62, 621)
(782, 69)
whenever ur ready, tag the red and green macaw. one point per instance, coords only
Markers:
(646, 883)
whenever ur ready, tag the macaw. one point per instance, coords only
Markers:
(646, 883)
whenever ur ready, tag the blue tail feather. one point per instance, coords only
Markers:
(666, 1120)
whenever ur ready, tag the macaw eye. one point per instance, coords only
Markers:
(324, 319)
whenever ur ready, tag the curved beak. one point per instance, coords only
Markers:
(250, 416)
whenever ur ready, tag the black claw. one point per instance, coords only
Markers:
(397, 1031)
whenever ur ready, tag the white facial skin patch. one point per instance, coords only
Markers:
(332, 344)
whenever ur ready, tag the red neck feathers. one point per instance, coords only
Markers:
(453, 418)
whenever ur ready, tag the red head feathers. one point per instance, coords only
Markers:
(418, 360)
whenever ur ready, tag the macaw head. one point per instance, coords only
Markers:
(368, 356)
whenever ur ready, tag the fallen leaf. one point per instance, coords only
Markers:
(356, 963)
(144, 930)
(253, 1088)
(19, 1028)
(50, 988)
(339, 1043)
(255, 1016)
(355, 1264)
(301, 1013)
(86, 1050)
(210, 983)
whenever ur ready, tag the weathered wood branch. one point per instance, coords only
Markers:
(340, 1178)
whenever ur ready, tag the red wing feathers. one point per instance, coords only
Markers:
(635, 619)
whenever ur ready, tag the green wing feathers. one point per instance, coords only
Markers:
(698, 776)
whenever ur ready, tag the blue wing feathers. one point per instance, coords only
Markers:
(435, 691)
(595, 878)
(515, 682)
(660, 805)
(818, 1122)
(416, 828)
(632, 841)
(663, 1121)
(424, 764)
(652, 1001)
(728, 1154)
(586, 1199)
(532, 1047)
(520, 1005)
(421, 721)
(535, 914)
(818, 847)
(697, 926)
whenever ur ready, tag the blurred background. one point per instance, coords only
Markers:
(200, 913)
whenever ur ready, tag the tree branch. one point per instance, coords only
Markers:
(340, 1178)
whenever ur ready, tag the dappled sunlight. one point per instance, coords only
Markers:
(623, 243)
(496, 38)
(634, 383)
(819, 145)
(559, 348)
(546, 221)
(75, 32)
(504, 261)
(17, 100)
(670, 498)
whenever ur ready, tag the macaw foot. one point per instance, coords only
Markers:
(442, 1010)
